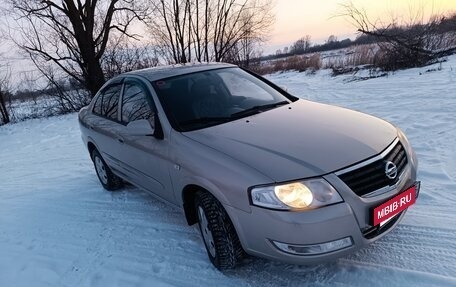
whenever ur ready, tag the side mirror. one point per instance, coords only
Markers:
(140, 128)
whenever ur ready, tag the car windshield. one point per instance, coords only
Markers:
(199, 100)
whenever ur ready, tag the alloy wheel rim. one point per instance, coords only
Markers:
(207, 234)
(101, 170)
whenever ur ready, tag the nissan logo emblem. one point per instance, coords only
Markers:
(390, 170)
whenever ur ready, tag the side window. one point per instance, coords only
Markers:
(107, 103)
(134, 104)
(97, 105)
(110, 102)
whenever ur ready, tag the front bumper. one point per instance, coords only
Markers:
(262, 226)
(260, 230)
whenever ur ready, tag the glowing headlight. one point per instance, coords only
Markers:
(295, 195)
(301, 195)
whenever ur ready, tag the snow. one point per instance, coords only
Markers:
(58, 227)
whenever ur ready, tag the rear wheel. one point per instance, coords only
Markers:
(220, 238)
(109, 180)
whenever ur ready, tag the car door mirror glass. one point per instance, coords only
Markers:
(140, 128)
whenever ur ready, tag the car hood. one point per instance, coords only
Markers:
(299, 140)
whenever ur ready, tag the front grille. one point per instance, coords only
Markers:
(371, 177)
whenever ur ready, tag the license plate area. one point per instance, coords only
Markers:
(387, 211)
(383, 223)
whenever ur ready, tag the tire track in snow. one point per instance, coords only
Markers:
(413, 248)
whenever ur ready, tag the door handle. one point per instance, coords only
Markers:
(120, 139)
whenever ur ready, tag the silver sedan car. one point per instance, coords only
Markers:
(259, 170)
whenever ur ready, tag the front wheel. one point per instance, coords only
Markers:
(109, 180)
(220, 238)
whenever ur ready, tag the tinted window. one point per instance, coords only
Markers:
(207, 98)
(134, 104)
(107, 102)
(97, 105)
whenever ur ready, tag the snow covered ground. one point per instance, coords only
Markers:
(58, 227)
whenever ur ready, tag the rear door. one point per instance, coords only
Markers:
(104, 124)
(146, 157)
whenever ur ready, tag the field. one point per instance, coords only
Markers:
(58, 227)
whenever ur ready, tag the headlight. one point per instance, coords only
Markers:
(300, 195)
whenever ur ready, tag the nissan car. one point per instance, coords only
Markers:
(260, 171)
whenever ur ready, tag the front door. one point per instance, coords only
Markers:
(145, 156)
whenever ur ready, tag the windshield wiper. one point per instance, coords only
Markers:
(258, 109)
(217, 120)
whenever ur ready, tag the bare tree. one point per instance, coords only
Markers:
(302, 45)
(66, 97)
(4, 93)
(73, 35)
(245, 53)
(331, 39)
(169, 25)
(124, 56)
(415, 42)
(247, 47)
(208, 30)
(5, 73)
(237, 21)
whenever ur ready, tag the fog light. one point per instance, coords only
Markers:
(315, 249)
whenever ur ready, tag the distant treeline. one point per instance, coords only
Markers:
(442, 25)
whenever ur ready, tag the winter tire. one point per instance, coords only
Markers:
(109, 180)
(217, 231)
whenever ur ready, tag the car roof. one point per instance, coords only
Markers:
(161, 72)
